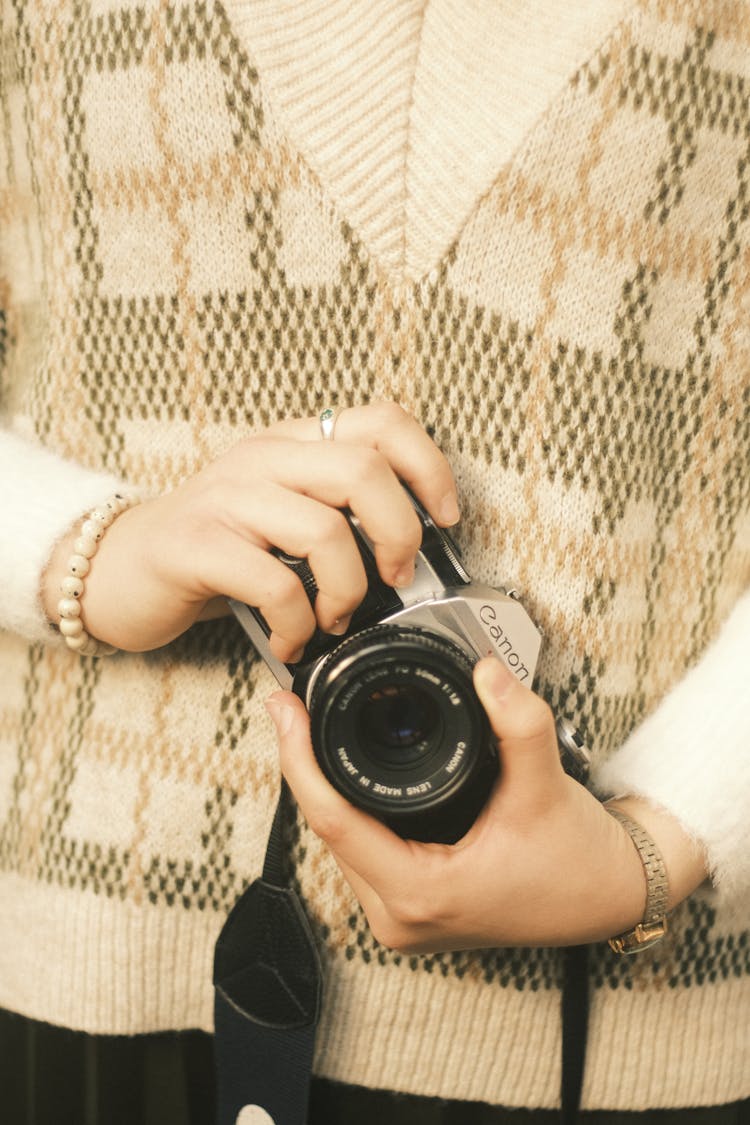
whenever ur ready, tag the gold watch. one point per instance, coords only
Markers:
(654, 924)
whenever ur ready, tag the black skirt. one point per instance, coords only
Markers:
(52, 1076)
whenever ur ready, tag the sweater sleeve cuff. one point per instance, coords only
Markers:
(43, 496)
(691, 757)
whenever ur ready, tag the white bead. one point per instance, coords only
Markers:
(69, 607)
(116, 504)
(101, 516)
(92, 530)
(86, 546)
(78, 643)
(71, 626)
(71, 587)
(79, 565)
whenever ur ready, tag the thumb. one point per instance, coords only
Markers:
(523, 725)
(369, 850)
(318, 799)
(292, 724)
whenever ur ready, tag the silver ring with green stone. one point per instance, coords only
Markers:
(327, 419)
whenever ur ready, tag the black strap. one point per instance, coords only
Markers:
(267, 993)
(274, 866)
(267, 982)
(575, 1020)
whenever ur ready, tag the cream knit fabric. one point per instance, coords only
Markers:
(206, 228)
(406, 134)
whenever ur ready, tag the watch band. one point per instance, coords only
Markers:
(654, 924)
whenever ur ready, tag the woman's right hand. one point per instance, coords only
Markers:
(162, 562)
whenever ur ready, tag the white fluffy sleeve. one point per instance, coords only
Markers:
(42, 497)
(692, 755)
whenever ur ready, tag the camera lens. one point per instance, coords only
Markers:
(397, 728)
(397, 722)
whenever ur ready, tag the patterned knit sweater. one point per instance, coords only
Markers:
(534, 232)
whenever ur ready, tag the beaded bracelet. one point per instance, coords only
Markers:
(79, 564)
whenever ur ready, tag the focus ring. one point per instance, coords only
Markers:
(361, 640)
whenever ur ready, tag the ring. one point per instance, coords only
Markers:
(327, 419)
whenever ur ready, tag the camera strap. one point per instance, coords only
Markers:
(575, 1025)
(267, 1000)
(267, 995)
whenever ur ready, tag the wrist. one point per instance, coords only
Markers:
(67, 582)
(53, 574)
(683, 857)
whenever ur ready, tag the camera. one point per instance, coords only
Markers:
(396, 725)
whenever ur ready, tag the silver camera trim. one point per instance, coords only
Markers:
(470, 617)
(483, 619)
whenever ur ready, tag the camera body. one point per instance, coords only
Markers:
(396, 725)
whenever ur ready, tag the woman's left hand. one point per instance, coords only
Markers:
(544, 864)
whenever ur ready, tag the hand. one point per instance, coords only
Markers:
(544, 864)
(162, 562)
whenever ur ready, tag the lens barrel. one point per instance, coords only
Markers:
(397, 728)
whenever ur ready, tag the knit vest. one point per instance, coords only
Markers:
(176, 273)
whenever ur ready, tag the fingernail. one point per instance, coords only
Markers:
(448, 511)
(339, 627)
(494, 678)
(404, 576)
(281, 715)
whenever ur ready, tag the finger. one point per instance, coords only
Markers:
(369, 850)
(354, 477)
(408, 448)
(230, 566)
(308, 529)
(523, 725)
(413, 456)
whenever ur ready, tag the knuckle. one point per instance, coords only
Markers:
(388, 413)
(326, 824)
(395, 935)
(534, 720)
(207, 489)
(417, 906)
(387, 931)
(411, 912)
(246, 451)
(243, 459)
(367, 464)
(284, 588)
(330, 527)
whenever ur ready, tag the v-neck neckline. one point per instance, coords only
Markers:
(407, 111)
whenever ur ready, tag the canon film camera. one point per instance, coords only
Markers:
(396, 725)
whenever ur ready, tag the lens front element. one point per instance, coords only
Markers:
(398, 722)
(398, 729)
